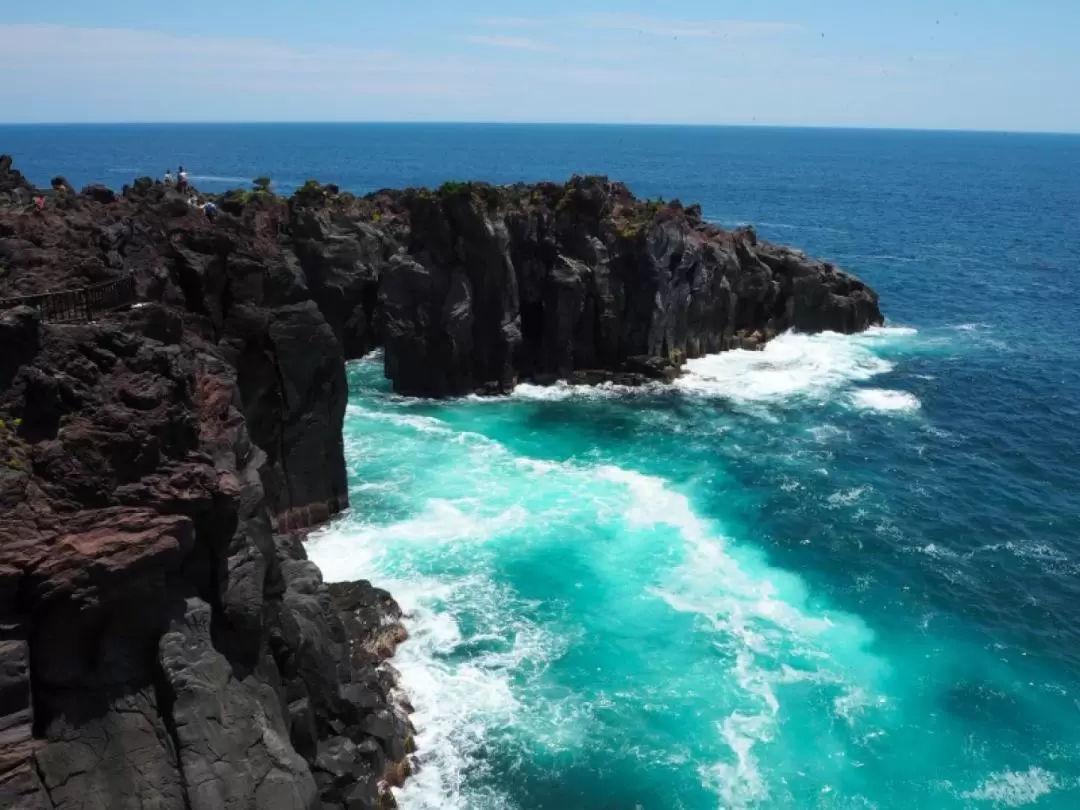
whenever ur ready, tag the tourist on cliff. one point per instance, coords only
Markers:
(181, 179)
(168, 177)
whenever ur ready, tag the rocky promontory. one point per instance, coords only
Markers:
(585, 282)
(164, 642)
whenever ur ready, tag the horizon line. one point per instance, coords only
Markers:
(598, 124)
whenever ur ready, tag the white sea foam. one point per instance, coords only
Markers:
(214, 178)
(482, 688)
(740, 784)
(846, 497)
(886, 333)
(755, 613)
(538, 393)
(374, 356)
(457, 705)
(1013, 789)
(461, 702)
(712, 582)
(791, 367)
(355, 551)
(823, 434)
(425, 424)
(885, 401)
(465, 686)
(853, 703)
(936, 551)
(562, 390)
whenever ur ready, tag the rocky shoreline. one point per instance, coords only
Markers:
(164, 642)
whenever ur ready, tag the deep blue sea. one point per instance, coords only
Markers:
(843, 572)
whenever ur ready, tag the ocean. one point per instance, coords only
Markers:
(843, 572)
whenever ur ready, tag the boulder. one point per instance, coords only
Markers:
(233, 742)
(99, 193)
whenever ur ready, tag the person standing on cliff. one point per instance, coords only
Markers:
(168, 177)
(181, 179)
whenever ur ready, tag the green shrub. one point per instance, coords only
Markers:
(485, 192)
(310, 193)
(566, 200)
(489, 194)
(452, 188)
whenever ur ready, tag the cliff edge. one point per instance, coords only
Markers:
(585, 282)
(164, 643)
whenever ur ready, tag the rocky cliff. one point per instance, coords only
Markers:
(490, 285)
(164, 643)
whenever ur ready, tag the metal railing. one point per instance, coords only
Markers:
(83, 304)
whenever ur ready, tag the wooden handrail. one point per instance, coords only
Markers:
(81, 304)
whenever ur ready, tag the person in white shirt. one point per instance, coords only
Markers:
(168, 177)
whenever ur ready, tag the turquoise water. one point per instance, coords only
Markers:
(596, 624)
(840, 573)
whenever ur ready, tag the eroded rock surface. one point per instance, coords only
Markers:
(585, 282)
(164, 642)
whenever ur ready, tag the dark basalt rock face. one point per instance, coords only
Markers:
(164, 642)
(579, 281)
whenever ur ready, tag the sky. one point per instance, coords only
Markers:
(950, 64)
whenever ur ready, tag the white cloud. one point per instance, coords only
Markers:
(513, 43)
(691, 29)
(584, 68)
(111, 74)
(94, 54)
